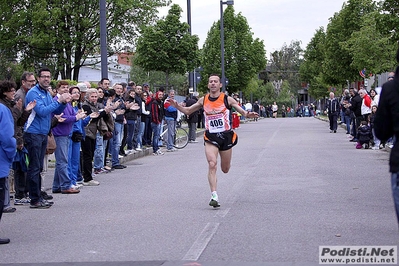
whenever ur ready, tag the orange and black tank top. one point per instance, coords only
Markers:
(217, 114)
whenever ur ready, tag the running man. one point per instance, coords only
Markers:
(219, 137)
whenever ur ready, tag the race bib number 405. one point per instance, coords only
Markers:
(216, 123)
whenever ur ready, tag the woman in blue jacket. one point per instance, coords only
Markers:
(77, 135)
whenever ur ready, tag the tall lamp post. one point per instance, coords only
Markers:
(103, 39)
(191, 74)
(229, 3)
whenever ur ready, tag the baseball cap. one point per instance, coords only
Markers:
(82, 86)
(146, 85)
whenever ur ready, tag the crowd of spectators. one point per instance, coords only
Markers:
(357, 113)
(88, 129)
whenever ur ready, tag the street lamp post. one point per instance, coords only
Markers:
(229, 3)
(190, 74)
(103, 39)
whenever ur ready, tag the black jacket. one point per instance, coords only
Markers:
(119, 118)
(193, 117)
(332, 105)
(386, 122)
(131, 114)
(356, 105)
(364, 134)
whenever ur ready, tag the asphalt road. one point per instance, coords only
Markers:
(292, 187)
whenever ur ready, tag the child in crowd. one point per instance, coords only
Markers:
(376, 141)
(364, 135)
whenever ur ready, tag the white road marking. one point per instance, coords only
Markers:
(201, 242)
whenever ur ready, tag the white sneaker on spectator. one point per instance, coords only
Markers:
(91, 183)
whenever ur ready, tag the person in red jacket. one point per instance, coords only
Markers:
(157, 114)
(366, 105)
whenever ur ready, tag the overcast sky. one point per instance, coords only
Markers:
(274, 21)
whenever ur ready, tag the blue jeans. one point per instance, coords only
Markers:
(99, 152)
(2, 193)
(61, 177)
(160, 129)
(7, 202)
(115, 143)
(171, 133)
(342, 115)
(377, 142)
(136, 131)
(131, 125)
(155, 138)
(395, 192)
(348, 124)
(140, 134)
(73, 161)
(36, 145)
(147, 131)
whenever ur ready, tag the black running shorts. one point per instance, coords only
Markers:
(223, 140)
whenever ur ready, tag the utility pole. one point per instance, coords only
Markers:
(103, 39)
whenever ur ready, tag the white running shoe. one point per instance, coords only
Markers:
(214, 201)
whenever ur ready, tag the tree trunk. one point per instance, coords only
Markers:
(167, 80)
(77, 62)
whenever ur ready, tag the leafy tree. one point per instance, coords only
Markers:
(157, 78)
(267, 94)
(285, 95)
(62, 33)
(338, 61)
(244, 56)
(388, 22)
(311, 70)
(168, 46)
(369, 48)
(284, 64)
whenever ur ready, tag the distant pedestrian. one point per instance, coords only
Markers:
(332, 109)
(256, 109)
(274, 109)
